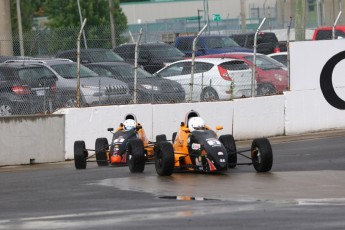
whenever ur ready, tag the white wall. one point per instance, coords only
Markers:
(306, 107)
(253, 117)
(31, 139)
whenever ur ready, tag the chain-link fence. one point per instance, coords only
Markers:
(213, 79)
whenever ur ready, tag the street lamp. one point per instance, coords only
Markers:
(199, 18)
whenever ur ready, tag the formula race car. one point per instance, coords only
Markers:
(195, 147)
(129, 146)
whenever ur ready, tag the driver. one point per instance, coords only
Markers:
(129, 124)
(196, 123)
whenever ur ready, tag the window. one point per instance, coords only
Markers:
(234, 65)
(173, 70)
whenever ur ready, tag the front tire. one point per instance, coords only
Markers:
(262, 156)
(135, 156)
(164, 159)
(80, 155)
(230, 146)
(101, 147)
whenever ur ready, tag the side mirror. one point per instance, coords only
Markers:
(219, 127)
(110, 129)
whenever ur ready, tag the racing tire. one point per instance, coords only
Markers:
(135, 156)
(209, 94)
(262, 156)
(164, 158)
(80, 155)
(161, 137)
(101, 147)
(229, 143)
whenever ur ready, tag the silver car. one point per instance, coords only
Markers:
(94, 89)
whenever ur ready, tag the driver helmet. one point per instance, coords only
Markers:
(129, 124)
(196, 123)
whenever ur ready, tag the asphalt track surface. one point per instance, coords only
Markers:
(304, 190)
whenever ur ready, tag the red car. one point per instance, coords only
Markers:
(272, 76)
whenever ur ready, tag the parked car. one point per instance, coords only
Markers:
(94, 89)
(326, 33)
(151, 56)
(267, 42)
(280, 57)
(90, 55)
(208, 44)
(214, 78)
(26, 89)
(272, 76)
(150, 89)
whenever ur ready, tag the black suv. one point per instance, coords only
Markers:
(90, 55)
(26, 89)
(267, 42)
(152, 56)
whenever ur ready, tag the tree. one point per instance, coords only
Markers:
(29, 9)
(64, 13)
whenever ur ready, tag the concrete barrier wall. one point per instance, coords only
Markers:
(251, 119)
(32, 139)
(306, 107)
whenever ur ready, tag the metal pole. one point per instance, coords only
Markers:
(81, 21)
(335, 23)
(199, 19)
(254, 57)
(78, 63)
(20, 28)
(112, 25)
(288, 50)
(136, 66)
(193, 61)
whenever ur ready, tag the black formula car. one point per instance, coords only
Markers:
(202, 151)
(128, 147)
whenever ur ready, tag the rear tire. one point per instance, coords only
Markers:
(230, 146)
(262, 156)
(161, 137)
(80, 155)
(101, 147)
(265, 89)
(164, 159)
(6, 108)
(209, 94)
(135, 156)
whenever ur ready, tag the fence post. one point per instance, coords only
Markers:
(136, 66)
(254, 57)
(193, 61)
(78, 63)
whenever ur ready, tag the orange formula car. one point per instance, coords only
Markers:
(196, 147)
(129, 146)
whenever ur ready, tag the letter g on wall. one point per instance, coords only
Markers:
(326, 83)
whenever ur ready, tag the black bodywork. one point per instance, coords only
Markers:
(207, 140)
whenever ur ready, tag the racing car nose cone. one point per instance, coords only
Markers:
(115, 159)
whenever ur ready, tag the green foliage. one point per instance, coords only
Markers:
(29, 9)
(65, 13)
(64, 25)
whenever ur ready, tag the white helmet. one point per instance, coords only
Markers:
(196, 123)
(129, 124)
